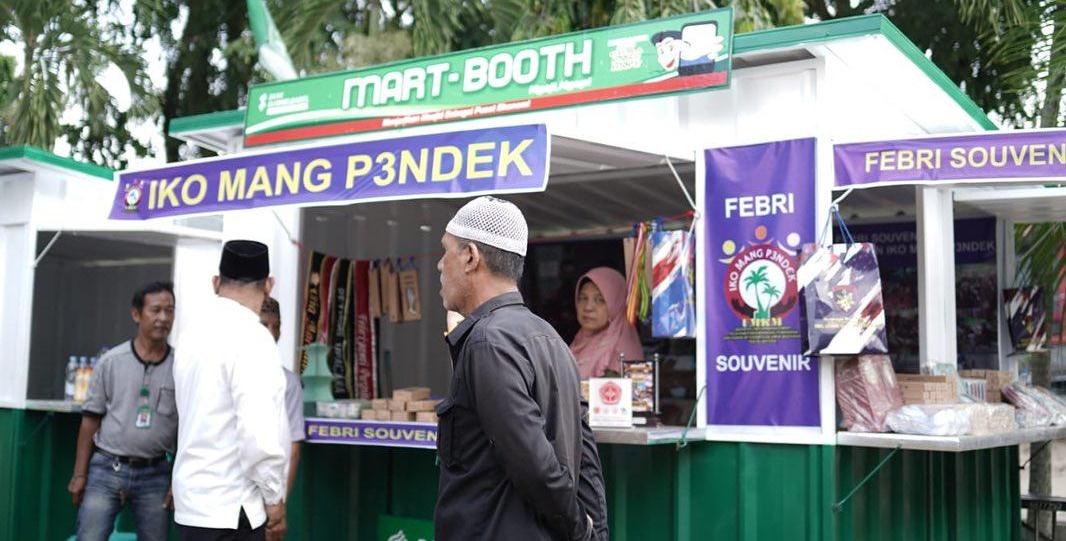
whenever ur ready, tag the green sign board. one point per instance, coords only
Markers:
(663, 56)
(393, 528)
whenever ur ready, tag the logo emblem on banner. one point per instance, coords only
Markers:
(760, 289)
(133, 194)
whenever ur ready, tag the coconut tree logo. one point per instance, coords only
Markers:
(764, 291)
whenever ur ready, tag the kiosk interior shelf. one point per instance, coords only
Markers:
(953, 444)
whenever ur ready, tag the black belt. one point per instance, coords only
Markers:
(134, 461)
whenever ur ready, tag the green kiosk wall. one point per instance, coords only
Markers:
(707, 490)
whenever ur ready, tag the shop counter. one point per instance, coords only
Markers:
(60, 406)
(659, 435)
(952, 444)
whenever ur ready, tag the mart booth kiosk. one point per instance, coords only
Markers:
(793, 92)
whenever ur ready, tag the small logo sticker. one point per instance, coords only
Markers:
(133, 195)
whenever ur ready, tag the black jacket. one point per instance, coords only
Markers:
(513, 441)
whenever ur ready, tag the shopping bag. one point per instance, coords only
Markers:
(673, 302)
(841, 289)
(1026, 318)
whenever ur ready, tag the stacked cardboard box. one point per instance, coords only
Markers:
(411, 404)
(924, 389)
(995, 381)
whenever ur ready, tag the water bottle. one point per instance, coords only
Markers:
(70, 379)
(81, 381)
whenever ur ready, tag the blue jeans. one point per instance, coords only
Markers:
(111, 485)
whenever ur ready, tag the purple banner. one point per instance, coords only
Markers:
(384, 434)
(454, 164)
(897, 243)
(760, 211)
(1001, 155)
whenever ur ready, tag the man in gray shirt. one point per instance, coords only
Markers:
(270, 317)
(129, 424)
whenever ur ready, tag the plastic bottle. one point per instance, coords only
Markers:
(81, 381)
(70, 379)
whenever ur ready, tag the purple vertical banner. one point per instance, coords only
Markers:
(759, 210)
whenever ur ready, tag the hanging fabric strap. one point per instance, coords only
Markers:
(845, 233)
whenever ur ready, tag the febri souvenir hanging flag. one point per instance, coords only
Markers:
(325, 292)
(339, 309)
(841, 289)
(638, 275)
(673, 303)
(312, 306)
(365, 341)
(373, 280)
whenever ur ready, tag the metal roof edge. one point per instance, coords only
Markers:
(47, 158)
(206, 121)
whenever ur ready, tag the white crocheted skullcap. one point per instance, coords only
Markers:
(491, 221)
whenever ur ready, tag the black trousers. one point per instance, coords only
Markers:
(244, 532)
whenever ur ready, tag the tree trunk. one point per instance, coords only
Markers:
(1040, 464)
(1049, 113)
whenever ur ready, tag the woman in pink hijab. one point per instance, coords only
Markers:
(605, 334)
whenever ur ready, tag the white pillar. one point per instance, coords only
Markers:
(17, 252)
(936, 277)
(1005, 273)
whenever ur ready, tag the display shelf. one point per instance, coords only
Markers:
(660, 435)
(951, 444)
(61, 406)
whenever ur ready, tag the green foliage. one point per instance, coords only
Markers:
(1026, 43)
(65, 48)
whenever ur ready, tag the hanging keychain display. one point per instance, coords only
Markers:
(410, 297)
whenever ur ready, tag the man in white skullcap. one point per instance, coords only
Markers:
(517, 457)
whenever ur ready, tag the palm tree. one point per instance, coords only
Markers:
(754, 280)
(66, 46)
(449, 25)
(772, 292)
(1027, 41)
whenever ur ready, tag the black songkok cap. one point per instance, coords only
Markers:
(244, 260)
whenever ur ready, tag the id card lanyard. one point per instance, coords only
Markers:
(144, 411)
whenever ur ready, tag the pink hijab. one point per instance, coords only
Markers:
(597, 352)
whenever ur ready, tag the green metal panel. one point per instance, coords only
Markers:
(930, 496)
(708, 490)
(36, 458)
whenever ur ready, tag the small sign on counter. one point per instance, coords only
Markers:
(611, 402)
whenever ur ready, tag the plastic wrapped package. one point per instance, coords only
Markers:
(1052, 403)
(1031, 413)
(931, 420)
(991, 418)
(866, 392)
